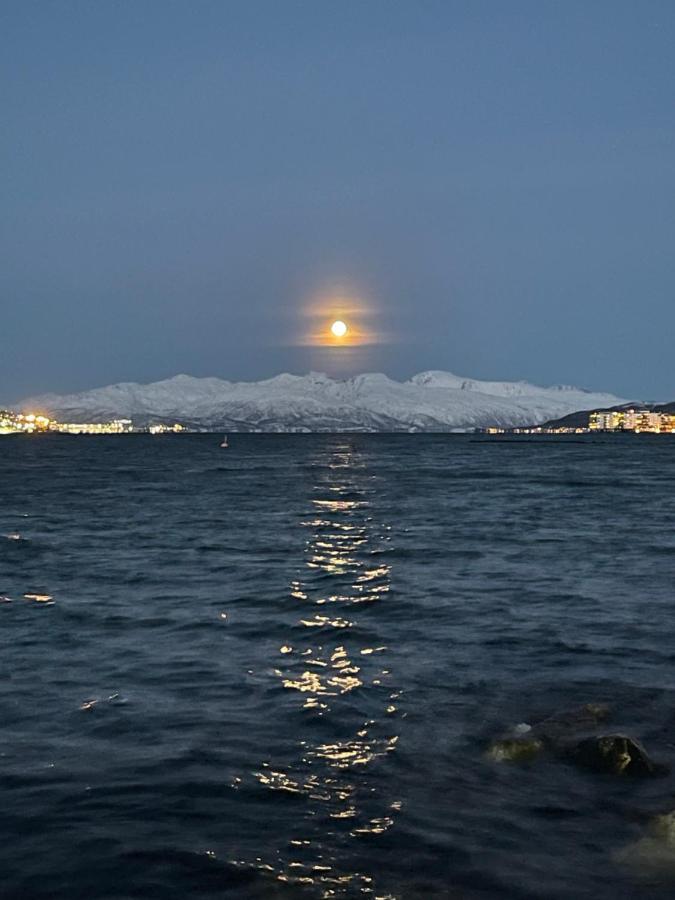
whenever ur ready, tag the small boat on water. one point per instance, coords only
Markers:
(224, 443)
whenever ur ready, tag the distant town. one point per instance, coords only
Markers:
(30, 423)
(636, 421)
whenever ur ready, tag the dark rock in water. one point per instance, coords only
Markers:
(615, 754)
(515, 749)
(653, 854)
(524, 742)
(573, 736)
(557, 730)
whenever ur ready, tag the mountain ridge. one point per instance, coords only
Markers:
(429, 401)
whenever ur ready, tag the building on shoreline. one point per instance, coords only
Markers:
(18, 423)
(176, 428)
(636, 420)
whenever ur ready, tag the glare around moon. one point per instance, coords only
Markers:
(339, 328)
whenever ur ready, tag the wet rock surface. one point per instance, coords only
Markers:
(556, 731)
(574, 736)
(654, 853)
(614, 754)
(515, 749)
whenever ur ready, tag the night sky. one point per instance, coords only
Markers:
(492, 182)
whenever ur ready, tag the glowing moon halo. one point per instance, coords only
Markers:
(339, 328)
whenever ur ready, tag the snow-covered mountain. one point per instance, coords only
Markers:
(430, 401)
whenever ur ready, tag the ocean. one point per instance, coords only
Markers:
(275, 670)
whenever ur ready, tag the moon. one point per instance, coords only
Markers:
(339, 328)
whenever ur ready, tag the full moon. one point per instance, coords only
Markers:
(339, 328)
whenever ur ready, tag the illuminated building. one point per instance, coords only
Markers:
(33, 423)
(176, 428)
(605, 421)
(636, 420)
(11, 422)
(116, 426)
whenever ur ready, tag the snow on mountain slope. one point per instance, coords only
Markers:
(431, 401)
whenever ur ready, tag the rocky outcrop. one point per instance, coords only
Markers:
(515, 749)
(653, 854)
(614, 754)
(574, 736)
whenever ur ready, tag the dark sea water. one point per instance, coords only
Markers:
(274, 670)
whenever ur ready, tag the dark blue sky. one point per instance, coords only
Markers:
(180, 178)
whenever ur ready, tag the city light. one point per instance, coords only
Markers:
(34, 423)
(635, 421)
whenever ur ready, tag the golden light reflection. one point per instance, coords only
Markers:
(308, 682)
(339, 505)
(338, 526)
(375, 826)
(340, 677)
(332, 565)
(344, 754)
(320, 621)
(324, 788)
(296, 592)
(371, 574)
(333, 884)
(331, 667)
